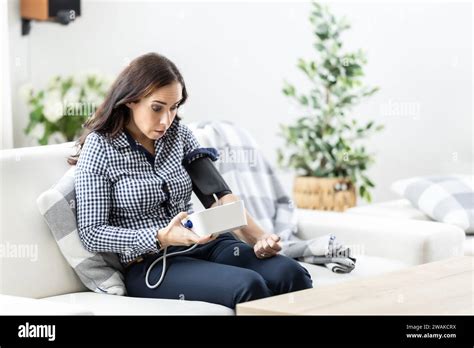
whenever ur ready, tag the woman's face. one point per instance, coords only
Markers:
(153, 115)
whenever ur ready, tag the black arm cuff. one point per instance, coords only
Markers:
(205, 177)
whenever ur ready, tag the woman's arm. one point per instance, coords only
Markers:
(264, 244)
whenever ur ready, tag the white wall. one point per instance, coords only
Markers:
(234, 57)
(6, 127)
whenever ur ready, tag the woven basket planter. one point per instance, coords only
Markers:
(336, 194)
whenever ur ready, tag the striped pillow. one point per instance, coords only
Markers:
(100, 272)
(444, 198)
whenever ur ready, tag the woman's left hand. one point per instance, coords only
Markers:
(267, 246)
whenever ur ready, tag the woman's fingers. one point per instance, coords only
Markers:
(267, 246)
(275, 237)
(260, 251)
(206, 239)
(180, 216)
(273, 242)
(257, 248)
(187, 236)
(194, 238)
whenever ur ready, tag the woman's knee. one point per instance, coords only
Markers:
(291, 277)
(251, 286)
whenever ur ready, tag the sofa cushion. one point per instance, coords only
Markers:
(99, 272)
(469, 246)
(444, 198)
(103, 304)
(403, 209)
(366, 266)
(399, 208)
(15, 305)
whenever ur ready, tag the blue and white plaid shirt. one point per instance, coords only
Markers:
(124, 195)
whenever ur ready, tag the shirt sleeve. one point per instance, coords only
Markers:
(93, 188)
(190, 142)
(192, 150)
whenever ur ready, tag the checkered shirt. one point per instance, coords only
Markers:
(124, 195)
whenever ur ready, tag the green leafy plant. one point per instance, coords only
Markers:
(58, 111)
(327, 141)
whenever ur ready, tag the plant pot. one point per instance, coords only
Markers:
(336, 194)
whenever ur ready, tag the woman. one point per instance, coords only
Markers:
(132, 192)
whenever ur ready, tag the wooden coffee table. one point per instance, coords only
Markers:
(442, 287)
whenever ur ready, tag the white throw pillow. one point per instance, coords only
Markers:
(100, 272)
(444, 198)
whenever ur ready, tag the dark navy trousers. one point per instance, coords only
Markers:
(224, 271)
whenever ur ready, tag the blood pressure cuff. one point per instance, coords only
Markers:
(206, 179)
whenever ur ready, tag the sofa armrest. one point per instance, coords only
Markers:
(15, 305)
(411, 241)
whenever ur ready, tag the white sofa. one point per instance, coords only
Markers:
(403, 209)
(46, 284)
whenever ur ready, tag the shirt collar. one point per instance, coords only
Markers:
(131, 141)
(120, 140)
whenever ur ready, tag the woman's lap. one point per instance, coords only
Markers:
(225, 271)
(282, 274)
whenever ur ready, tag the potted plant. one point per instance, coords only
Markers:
(58, 112)
(325, 145)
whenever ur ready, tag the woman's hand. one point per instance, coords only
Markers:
(264, 244)
(176, 234)
(267, 246)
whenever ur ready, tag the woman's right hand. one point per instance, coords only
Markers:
(176, 234)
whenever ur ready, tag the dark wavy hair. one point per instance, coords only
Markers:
(138, 80)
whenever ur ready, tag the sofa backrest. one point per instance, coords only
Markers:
(31, 264)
